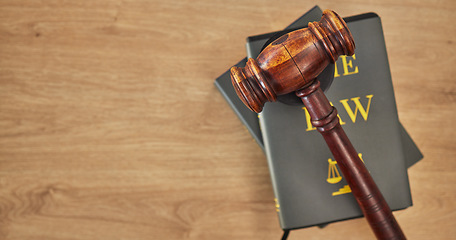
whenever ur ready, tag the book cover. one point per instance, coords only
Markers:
(250, 119)
(308, 186)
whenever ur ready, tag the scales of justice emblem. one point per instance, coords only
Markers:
(334, 176)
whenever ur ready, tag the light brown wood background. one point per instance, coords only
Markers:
(111, 127)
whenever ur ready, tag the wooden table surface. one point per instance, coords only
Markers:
(111, 126)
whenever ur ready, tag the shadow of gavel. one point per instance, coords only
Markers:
(292, 63)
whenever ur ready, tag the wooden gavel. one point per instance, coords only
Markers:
(292, 63)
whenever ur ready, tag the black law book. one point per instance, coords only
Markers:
(307, 183)
(250, 119)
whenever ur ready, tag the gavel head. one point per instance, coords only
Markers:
(292, 61)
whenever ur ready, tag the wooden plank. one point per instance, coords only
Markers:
(111, 127)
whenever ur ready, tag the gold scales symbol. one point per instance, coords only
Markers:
(335, 177)
(333, 174)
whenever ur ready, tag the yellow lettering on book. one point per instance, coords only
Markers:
(277, 205)
(347, 66)
(364, 112)
(340, 119)
(360, 155)
(336, 72)
(310, 127)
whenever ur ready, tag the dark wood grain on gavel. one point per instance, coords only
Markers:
(291, 63)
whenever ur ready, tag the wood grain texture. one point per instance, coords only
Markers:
(111, 127)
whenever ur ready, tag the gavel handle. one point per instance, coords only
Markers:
(375, 209)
